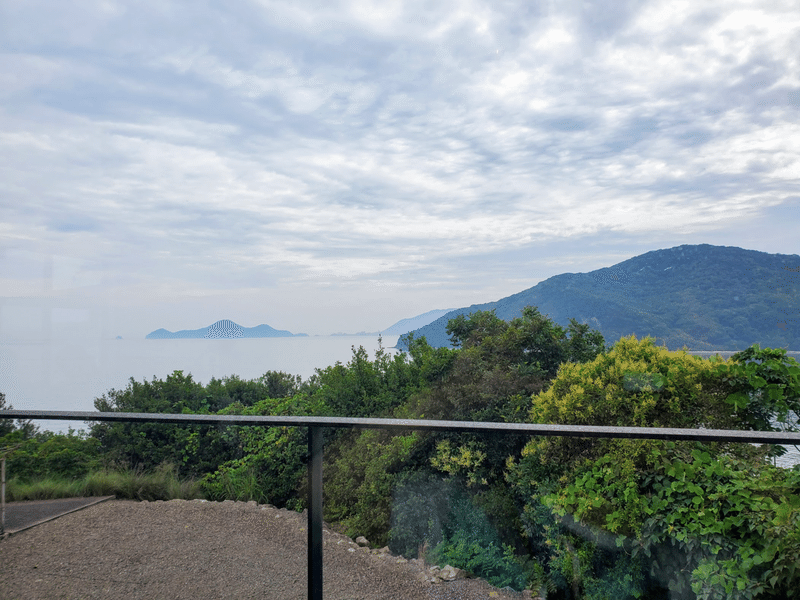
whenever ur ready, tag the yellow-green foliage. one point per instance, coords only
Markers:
(635, 384)
(464, 460)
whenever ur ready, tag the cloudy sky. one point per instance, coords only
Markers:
(338, 166)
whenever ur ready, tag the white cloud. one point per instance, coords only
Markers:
(361, 142)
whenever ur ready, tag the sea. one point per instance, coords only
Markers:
(69, 374)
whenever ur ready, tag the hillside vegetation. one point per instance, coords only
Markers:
(567, 517)
(700, 296)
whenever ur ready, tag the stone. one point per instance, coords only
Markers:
(450, 573)
(362, 541)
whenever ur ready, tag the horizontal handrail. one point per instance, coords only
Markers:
(533, 429)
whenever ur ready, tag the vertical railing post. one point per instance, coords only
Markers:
(315, 447)
(3, 495)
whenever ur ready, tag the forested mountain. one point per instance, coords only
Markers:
(702, 296)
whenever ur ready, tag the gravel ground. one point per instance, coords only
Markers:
(196, 550)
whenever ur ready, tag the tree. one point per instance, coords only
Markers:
(24, 428)
(6, 425)
(764, 388)
(147, 445)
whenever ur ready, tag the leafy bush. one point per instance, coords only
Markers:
(67, 456)
(359, 478)
(470, 542)
(732, 527)
(420, 507)
(271, 461)
(763, 388)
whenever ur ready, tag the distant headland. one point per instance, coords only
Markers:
(224, 329)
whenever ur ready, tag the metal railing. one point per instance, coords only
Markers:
(316, 425)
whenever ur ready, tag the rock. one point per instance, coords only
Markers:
(450, 573)
(362, 541)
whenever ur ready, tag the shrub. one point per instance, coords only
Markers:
(470, 542)
(420, 508)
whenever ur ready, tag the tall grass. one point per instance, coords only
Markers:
(161, 484)
(241, 485)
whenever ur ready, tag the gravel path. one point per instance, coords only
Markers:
(21, 515)
(196, 550)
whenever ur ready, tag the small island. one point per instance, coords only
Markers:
(224, 329)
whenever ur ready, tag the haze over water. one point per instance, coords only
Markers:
(68, 374)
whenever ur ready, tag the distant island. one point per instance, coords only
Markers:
(224, 329)
(360, 333)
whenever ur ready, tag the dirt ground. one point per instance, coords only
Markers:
(195, 550)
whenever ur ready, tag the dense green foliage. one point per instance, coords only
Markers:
(702, 516)
(196, 450)
(45, 454)
(577, 518)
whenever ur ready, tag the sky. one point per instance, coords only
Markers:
(339, 166)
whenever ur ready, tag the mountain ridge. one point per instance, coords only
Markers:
(411, 323)
(702, 296)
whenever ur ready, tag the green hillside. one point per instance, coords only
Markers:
(702, 296)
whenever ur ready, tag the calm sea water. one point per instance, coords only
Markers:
(70, 374)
